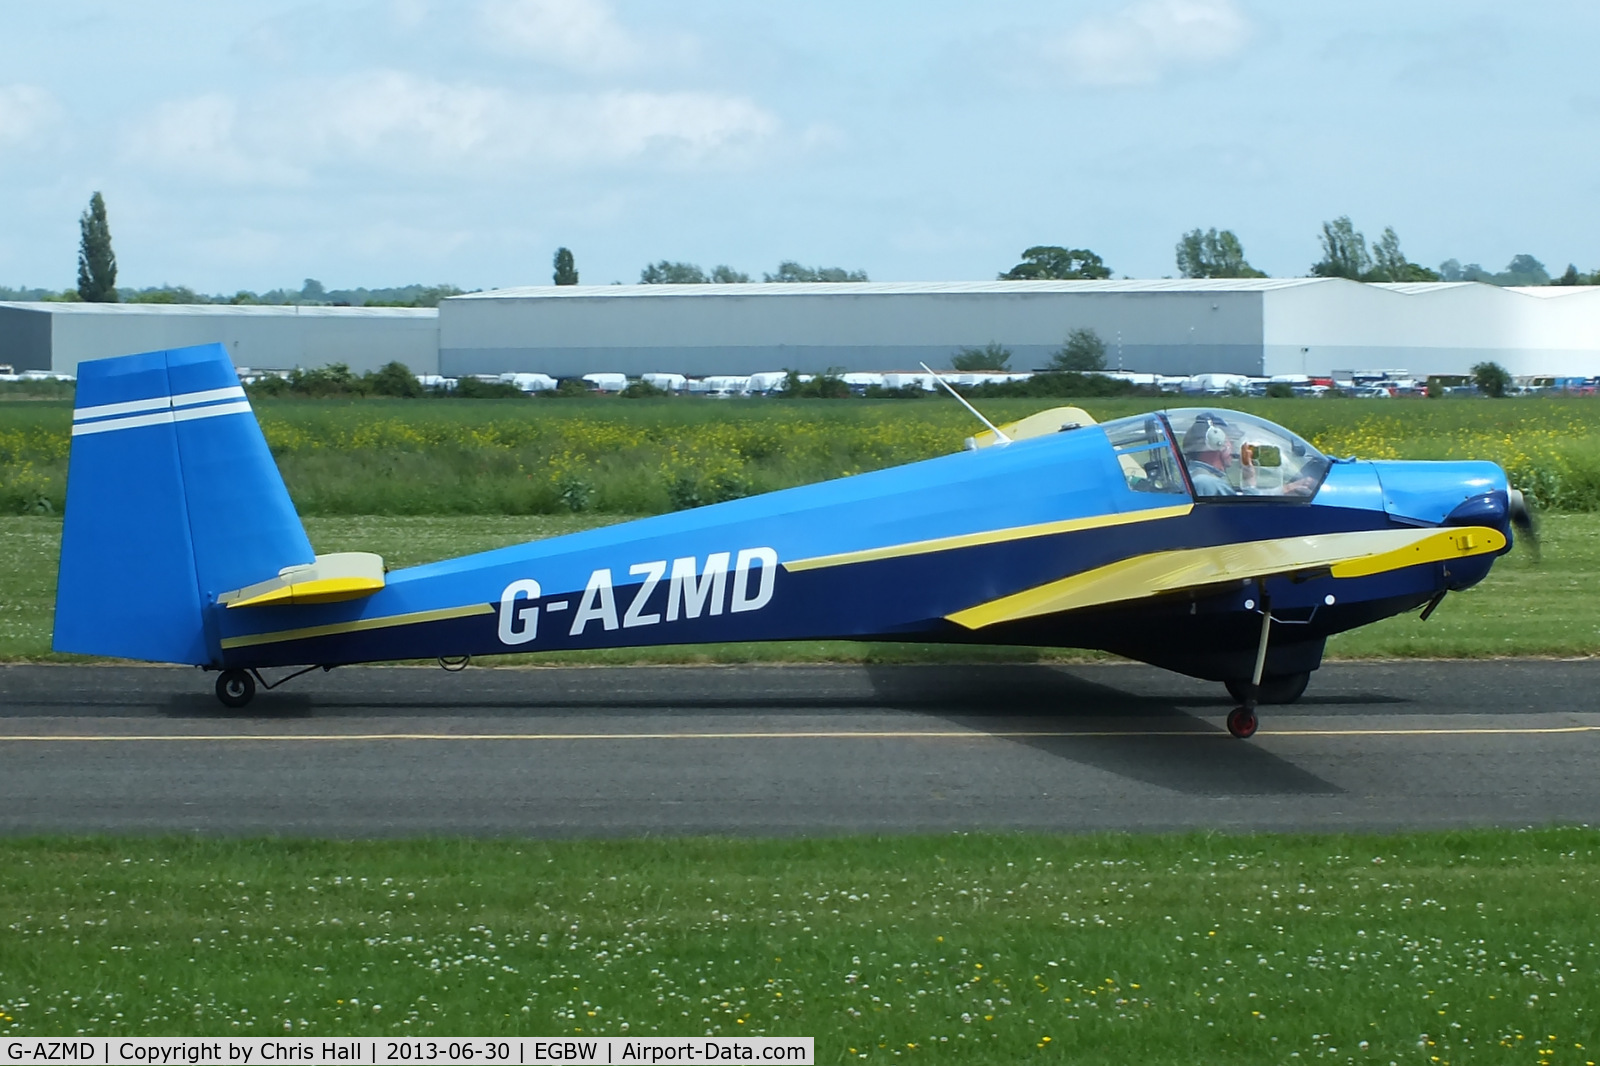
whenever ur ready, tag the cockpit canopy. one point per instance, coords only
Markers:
(1225, 454)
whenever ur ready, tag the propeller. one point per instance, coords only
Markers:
(1522, 518)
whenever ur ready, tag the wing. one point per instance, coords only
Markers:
(1159, 573)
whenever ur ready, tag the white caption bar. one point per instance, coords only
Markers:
(368, 1051)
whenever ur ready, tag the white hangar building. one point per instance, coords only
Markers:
(57, 336)
(1260, 327)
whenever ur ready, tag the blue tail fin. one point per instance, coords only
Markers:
(172, 498)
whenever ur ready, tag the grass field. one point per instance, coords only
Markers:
(1523, 608)
(614, 456)
(1464, 947)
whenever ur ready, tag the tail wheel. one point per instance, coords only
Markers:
(1284, 688)
(235, 688)
(1242, 722)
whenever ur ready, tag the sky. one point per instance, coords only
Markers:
(385, 142)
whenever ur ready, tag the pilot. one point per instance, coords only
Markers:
(1208, 450)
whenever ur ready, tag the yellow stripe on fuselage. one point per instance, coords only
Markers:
(359, 625)
(1343, 554)
(992, 536)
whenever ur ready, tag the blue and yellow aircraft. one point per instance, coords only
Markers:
(1208, 542)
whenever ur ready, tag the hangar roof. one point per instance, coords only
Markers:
(901, 288)
(890, 288)
(226, 310)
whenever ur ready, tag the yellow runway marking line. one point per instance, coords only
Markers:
(913, 734)
(1439, 732)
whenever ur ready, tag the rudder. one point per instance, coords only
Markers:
(172, 498)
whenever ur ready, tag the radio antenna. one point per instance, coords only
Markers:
(998, 433)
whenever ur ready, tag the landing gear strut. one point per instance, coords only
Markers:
(1242, 719)
(1282, 688)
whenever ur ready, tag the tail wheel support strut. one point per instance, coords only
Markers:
(236, 687)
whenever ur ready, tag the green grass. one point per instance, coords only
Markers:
(1473, 946)
(611, 456)
(1523, 608)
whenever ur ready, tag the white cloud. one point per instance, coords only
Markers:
(27, 114)
(685, 127)
(199, 137)
(1145, 40)
(398, 124)
(578, 34)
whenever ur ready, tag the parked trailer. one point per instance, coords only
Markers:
(666, 382)
(607, 382)
(925, 382)
(768, 381)
(530, 382)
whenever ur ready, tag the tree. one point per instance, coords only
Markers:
(163, 294)
(97, 263)
(1524, 270)
(1344, 251)
(471, 388)
(1408, 271)
(1390, 264)
(1213, 255)
(827, 385)
(405, 296)
(392, 379)
(1387, 260)
(1060, 383)
(1049, 262)
(1084, 352)
(566, 270)
(1492, 379)
(791, 271)
(990, 357)
(667, 273)
(1574, 276)
(334, 379)
(723, 274)
(312, 291)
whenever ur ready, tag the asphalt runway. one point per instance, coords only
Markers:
(785, 750)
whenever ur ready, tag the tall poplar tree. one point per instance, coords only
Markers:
(566, 270)
(97, 263)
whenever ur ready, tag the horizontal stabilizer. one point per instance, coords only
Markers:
(341, 576)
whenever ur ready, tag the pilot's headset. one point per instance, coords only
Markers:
(1207, 433)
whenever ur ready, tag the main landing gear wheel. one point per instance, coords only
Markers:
(1242, 722)
(235, 688)
(1285, 688)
